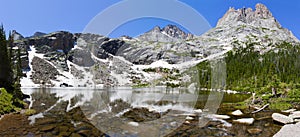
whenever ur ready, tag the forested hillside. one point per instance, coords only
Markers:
(272, 72)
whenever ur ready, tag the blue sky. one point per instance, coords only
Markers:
(30, 16)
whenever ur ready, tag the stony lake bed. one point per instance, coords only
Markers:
(125, 113)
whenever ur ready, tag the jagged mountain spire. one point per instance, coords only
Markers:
(261, 16)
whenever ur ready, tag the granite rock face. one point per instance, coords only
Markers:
(60, 40)
(43, 71)
(239, 27)
(81, 58)
(16, 35)
(261, 16)
(99, 45)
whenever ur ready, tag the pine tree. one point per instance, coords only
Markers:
(6, 73)
(19, 65)
(11, 45)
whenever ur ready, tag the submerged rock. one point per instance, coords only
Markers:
(189, 118)
(135, 124)
(198, 111)
(141, 115)
(48, 128)
(254, 131)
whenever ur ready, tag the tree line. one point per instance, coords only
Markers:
(10, 73)
(275, 71)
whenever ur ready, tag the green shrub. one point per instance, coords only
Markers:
(280, 105)
(294, 93)
(30, 112)
(6, 105)
(267, 97)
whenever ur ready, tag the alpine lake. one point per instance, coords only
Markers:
(134, 112)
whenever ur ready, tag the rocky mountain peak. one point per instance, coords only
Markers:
(262, 11)
(261, 16)
(170, 33)
(248, 25)
(174, 31)
(16, 35)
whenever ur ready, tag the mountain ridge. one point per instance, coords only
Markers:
(123, 60)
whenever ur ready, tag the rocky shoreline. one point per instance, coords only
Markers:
(72, 124)
(57, 122)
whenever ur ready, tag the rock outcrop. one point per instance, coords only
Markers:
(81, 58)
(16, 35)
(43, 71)
(256, 25)
(99, 45)
(261, 16)
(60, 40)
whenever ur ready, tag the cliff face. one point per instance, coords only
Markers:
(259, 23)
(43, 71)
(60, 40)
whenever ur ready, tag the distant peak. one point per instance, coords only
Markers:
(168, 33)
(247, 16)
(16, 35)
(176, 32)
(171, 26)
(38, 34)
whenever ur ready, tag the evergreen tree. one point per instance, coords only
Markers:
(11, 45)
(19, 65)
(248, 70)
(6, 73)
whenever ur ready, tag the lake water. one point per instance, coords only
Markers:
(128, 111)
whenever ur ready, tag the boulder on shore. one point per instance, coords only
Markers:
(289, 130)
(295, 115)
(248, 121)
(282, 118)
(237, 113)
